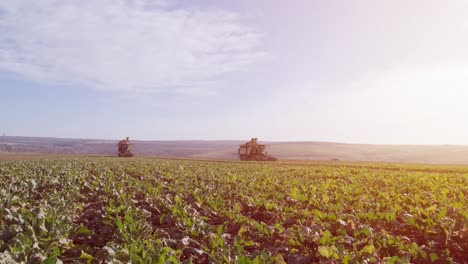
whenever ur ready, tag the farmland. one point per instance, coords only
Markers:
(186, 211)
(227, 150)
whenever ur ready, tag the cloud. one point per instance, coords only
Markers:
(124, 45)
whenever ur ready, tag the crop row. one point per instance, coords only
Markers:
(169, 211)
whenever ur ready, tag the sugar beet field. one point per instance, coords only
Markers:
(106, 210)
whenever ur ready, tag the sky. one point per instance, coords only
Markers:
(362, 71)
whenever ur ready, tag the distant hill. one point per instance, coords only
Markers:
(227, 149)
(182, 148)
(437, 154)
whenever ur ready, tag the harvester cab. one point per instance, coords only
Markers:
(253, 151)
(124, 148)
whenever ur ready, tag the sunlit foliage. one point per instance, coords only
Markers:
(171, 211)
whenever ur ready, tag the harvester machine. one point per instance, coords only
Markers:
(124, 148)
(253, 151)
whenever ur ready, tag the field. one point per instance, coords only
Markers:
(227, 150)
(170, 211)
